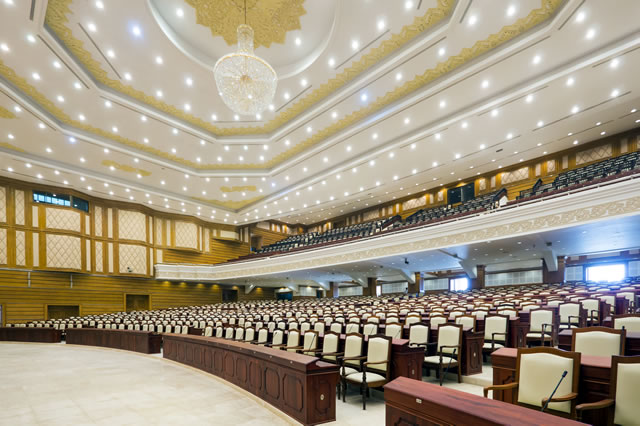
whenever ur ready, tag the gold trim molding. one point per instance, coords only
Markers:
(230, 204)
(7, 145)
(125, 168)
(271, 20)
(250, 188)
(5, 113)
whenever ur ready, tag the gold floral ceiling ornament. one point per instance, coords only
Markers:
(125, 168)
(5, 113)
(246, 82)
(271, 19)
(250, 188)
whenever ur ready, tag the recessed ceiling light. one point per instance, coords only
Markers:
(413, 146)
(115, 129)
(399, 76)
(381, 24)
(355, 44)
(511, 10)
(442, 51)
(603, 133)
(575, 109)
(483, 146)
(472, 20)
(485, 84)
(56, 64)
(464, 124)
(107, 104)
(540, 123)
(309, 129)
(179, 12)
(286, 95)
(374, 136)
(580, 17)
(536, 60)
(434, 164)
(136, 31)
(615, 93)
(105, 150)
(457, 156)
(31, 38)
(35, 76)
(60, 98)
(236, 117)
(287, 142)
(82, 159)
(159, 60)
(438, 136)
(443, 104)
(173, 150)
(392, 154)
(298, 41)
(127, 76)
(509, 135)
(159, 93)
(99, 4)
(303, 82)
(81, 117)
(494, 112)
(92, 27)
(4, 47)
(529, 99)
(146, 140)
(575, 142)
(591, 33)
(363, 97)
(407, 120)
(331, 62)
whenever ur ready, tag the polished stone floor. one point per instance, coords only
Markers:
(53, 384)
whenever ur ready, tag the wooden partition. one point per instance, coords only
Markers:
(145, 342)
(30, 334)
(301, 386)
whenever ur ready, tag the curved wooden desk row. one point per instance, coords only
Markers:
(410, 402)
(30, 334)
(145, 342)
(301, 386)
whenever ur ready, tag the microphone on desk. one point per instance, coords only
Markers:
(564, 374)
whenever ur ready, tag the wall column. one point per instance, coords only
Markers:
(478, 281)
(334, 290)
(418, 285)
(553, 276)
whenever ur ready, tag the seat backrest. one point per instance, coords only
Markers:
(378, 354)
(278, 336)
(467, 321)
(449, 335)
(539, 317)
(436, 320)
(293, 339)
(569, 309)
(495, 324)
(219, 331)
(630, 323)
(412, 319)
(598, 341)
(393, 330)
(626, 374)
(512, 312)
(249, 334)
(370, 329)
(336, 327)
(538, 373)
(330, 345)
(319, 327)
(208, 331)
(418, 334)
(310, 341)
(353, 348)
(228, 333)
(239, 334)
(263, 336)
(351, 328)
(305, 326)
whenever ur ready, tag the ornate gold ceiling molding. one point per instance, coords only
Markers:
(125, 168)
(270, 19)
(7, 145)
(231, 205)
(56, 19)
(250, 188)
(5, 113)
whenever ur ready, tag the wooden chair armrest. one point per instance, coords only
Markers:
(353, 358)
(295, 347)
(457, 352)
(595, 405)
(563, 398)
(329, 353)
(278, 346)
(367, 363)
(499, 388)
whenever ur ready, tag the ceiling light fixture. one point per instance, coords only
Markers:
(246, 82)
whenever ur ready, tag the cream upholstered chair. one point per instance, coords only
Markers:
(219, 331)
(598, 341)
(263, 337)
(309, 343)
(630, 322)
(510, 311)
(412, 319)
(229, 332)
(538, 371)
(496, 329)
(249, 335)
(370, 329)
(630, 296)
(449, 348)
(571, 315)
(480, 313)
(419, 335)
(208, 331)
(330, 345)
(542, 327)
(352, 327)
(319, 326)
(374, 372)
(393, 330)
(336, 327)
(352, 349)
(467, 321)
(436, 320)
(622, 405)
(293, 341)
(276, 339)
(304, 327)
(592, 309)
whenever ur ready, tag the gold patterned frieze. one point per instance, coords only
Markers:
(5, 113)
(270, 19)
(229, 204)
(125, 168)
(249, 188)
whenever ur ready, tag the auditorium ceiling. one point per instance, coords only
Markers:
(375, 99)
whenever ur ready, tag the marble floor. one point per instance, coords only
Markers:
(74, 385)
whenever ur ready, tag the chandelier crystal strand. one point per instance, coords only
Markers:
(246, 82)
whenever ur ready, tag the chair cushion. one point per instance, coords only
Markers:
(488, 345)
(538, 335)
(371, 377)
(435, 359)
(348, 371)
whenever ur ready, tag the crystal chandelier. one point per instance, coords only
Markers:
(246, 82)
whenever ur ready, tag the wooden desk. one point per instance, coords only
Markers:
(472, 343)
(146, 342)
(595, 376)
(299, 385)
(30, 334)
(410, 402)
(631, 343)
